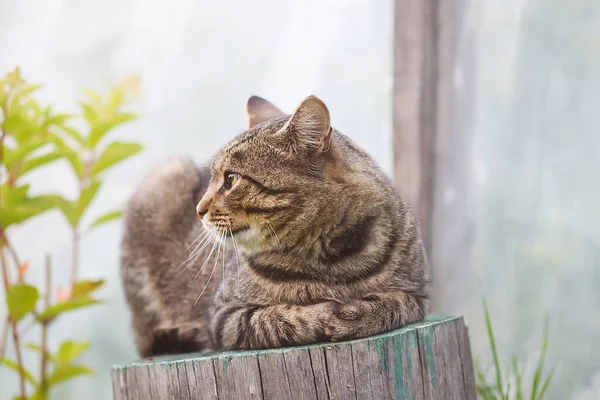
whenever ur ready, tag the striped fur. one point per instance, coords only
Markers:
(326, 249)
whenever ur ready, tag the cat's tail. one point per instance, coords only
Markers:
(160, 219)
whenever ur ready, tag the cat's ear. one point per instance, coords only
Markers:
(260, 110)
(309, 127)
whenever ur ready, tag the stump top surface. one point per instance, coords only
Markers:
(427, 360)
(430, 321)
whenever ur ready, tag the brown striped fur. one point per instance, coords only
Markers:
(323, 248)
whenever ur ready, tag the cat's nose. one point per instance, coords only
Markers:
(201, 209)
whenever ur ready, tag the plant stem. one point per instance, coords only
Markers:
(6, 325)
(75, 256)
(13, 252)
(13, 324)
(44, 342)
(4, 337)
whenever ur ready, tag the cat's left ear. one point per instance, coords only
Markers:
(259, 110)
(309, 127)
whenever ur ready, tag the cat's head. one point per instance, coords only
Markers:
(269, 176)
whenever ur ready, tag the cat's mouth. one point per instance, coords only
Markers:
(233, 231)
(224, 227)
(247, 237)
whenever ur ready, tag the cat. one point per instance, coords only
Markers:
(299, 238)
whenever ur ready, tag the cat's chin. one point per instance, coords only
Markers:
(249, 240)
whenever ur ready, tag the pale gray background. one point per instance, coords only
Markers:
(534, 165)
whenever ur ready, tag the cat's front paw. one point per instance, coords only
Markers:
(346, 322)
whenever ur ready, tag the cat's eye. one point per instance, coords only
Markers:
(231, 179)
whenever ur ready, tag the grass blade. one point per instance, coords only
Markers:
(546, 384)
(488, 323)
(540, 364)
(519, 394)
(505, 396)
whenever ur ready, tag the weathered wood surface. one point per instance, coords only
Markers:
(429, 360)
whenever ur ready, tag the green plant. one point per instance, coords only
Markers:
(500, 389)
(32, 137)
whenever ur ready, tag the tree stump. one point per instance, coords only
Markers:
(429, 360)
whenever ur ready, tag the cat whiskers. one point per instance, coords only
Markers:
(215, 242)
(202, 234)
(275, 235)
(191, 259)
(220, 237)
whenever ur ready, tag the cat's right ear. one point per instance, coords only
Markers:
(309, 128)
(260, 110)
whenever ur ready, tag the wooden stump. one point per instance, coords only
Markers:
(429, 360)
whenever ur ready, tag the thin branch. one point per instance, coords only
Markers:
(4, 337)
(75, 256)
(44, 343)
(13, 324)
(13, 252)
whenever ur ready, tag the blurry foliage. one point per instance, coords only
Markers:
(32, 137)
(501, 389)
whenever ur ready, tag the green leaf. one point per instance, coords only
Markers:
(70, 350)
(28, 89)
(74, 134)
(93, 96)
(21, 300)
(13, 365)
(36, 162)
(85, 199)
(27, 208)
(114, 153)
(107, 217)
(56, 309)
(99, 129)
(68, 371)
(25, 148)
(58, 120)
(35, 347)
(84, 288)
(67, 209)
(71, 155)
(38, 395)
(20, 126)
(89, 113)
(13, 195)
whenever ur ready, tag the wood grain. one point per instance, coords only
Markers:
(415, 104)
(429, 360)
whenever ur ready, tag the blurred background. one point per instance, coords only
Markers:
(514, 218)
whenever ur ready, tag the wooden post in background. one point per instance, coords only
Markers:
(415, 104)
(433, 105)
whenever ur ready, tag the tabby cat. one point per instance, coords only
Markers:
(301, 239)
